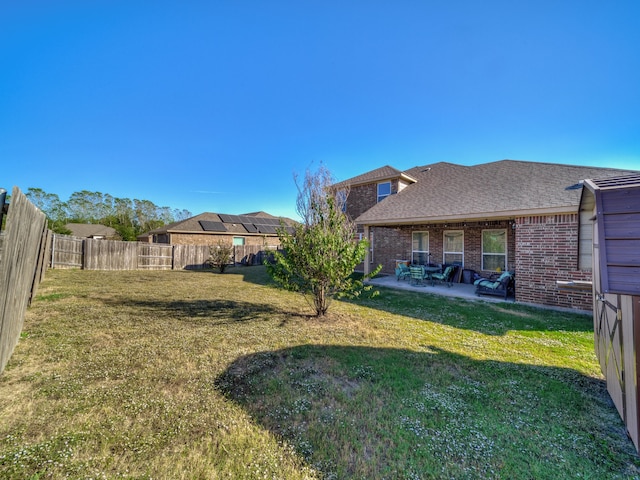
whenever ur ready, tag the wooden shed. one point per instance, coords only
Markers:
(612, 208)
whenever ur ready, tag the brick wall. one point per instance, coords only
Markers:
(362, 197)
(394, 243)
(547, 250)
(541, 250)
(209, 239)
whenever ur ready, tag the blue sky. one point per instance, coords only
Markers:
(214, 105)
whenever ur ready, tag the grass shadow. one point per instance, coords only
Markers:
(218, 312)
(488, 318)
(361, 412)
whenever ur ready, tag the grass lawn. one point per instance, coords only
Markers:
(191, 375)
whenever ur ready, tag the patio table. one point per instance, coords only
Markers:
(428, 270)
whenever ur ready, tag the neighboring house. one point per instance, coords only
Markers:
(257, 228)
(505, 215)
(89, 230)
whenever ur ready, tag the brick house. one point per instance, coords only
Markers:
(507, 215)
(255, 229)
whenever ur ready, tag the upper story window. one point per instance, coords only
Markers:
(384, 190)
(341, 200)
(494, 250)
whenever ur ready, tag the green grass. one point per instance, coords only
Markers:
(201, 375)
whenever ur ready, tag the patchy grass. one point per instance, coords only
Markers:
(202, 375)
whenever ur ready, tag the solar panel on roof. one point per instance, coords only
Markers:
(209, 226)
(251, 228)
(267, 229)
(257, 220)
(226, 218)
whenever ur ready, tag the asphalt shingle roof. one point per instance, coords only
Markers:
(445, 191)
(382, 173)
(193, 225)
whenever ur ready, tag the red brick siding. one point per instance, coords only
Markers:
(209, 239)
(541, 250)
(547, 250)
(394, 243)
(362, 197)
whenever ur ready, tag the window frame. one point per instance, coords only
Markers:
(382, 196)
(425, 252)
(498, 254)
(233, 242)
(444, 244)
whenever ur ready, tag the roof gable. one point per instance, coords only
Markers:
(379, 174)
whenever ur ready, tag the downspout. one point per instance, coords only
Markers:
(367, 256)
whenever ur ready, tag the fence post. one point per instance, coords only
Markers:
(3, 206)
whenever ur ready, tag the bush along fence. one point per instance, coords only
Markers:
(94, 254)
(23, 261)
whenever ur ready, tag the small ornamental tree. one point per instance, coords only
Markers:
(319, 257)
(220, 256)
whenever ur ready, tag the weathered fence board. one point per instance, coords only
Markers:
(19, 276)
(110, 255)
(252, 254)
(66, 251)
(154, 256)
(190, 257)
(94, 254)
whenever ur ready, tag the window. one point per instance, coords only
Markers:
(384, 190)
(420, 248)
(453, 246)
(494, 250)
(238, 241)
(341, 200)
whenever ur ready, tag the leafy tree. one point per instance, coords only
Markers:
(129, 217)
(319, 257)
(220, 256)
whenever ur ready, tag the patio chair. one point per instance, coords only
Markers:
(402, 271)
(416, 274)
(445, 277)
(502, 286)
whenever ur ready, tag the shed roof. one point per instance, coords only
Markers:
(503, 189)
(616, 202)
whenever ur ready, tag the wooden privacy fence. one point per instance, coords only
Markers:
(22, 267)
(93, 254)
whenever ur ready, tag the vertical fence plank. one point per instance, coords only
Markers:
(24, 229)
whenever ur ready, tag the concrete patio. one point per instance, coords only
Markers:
(460, 290)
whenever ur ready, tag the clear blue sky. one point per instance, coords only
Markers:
(213, 105)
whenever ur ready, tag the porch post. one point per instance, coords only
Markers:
(367, 256)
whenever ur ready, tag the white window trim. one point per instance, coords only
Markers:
(444, 253)
(382, 197)
(506, 247)
(421, 251)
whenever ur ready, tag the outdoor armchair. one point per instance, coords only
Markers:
(445, 277)
(502, 286)
(402, 271)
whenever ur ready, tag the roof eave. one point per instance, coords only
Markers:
(503, 215)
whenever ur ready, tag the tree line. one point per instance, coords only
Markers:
(128, 217)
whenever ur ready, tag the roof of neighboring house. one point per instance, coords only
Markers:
(377, 175)
(502, 189)
(88, 230)
(257, 223)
